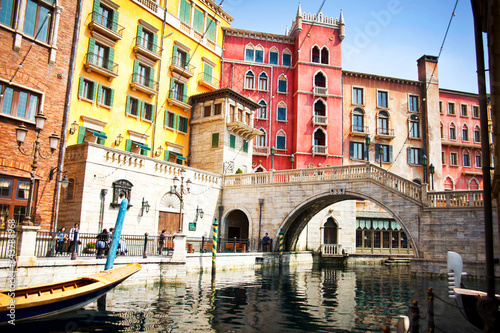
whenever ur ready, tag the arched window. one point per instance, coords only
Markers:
(315, 54)
(383, 123)
(414, 126)
(319, 142)
(320, 80)
(249, 53)
(474, 184)
(282, 84)
(478, 160)
(259, 54)
(263, 81)
(281, 140)
(417, 181)
(477, 134)
(287, 58)
(465, 132)
(466, 158)
(249, 80)
(320, 108)
(262, 111)
(358, 120)
(453, 132)
(448, 184)
(330, 232)
(325, 55)
(261, 140)
(273, 56)
(281, 114)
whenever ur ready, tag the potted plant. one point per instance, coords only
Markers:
(90, 248)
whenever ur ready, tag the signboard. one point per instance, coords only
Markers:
(337, 191)
(192, 226)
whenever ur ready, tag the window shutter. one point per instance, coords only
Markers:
(115, 20)
(139, 40)
(127, 105)
(377, 155)
(184, 93)
(188, 57)
(81, 134)
(176, 121)
(80, 86)
(166, 155)
(172, 84)
(111, 97)
(99, 92)
(128, 145)
(144, 152)
(175, 55)
(140, 108)
(155, 42)
(111, 58)
(91, 54)
(232, 141)
(95, 10)
(135, 77)
(410, 157)
(94, 91)
(245, 146)
(165, 120)
(215, 140)
(351, 149)
(152, 116)
(390, 153)
(151, 78)
(186, 125)
(366, 153)
(102, 141)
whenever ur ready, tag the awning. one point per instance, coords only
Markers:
(144, 147)
(97, 134)
(179, 156)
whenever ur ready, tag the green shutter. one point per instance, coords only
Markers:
(185, 129)
(245, 146)
(172, 84)
(80, 86)
(215, 140)
(111, 97)
(152, 116)
(135, 75)
(144, 151)
(95, 9)
(198, 20)
(174, 55)
(99, 92)
(176, 121)
(94, 90)
(128, 145)
(165, 120)
(139, 40)
(232, 141)
(155, 42)
(111, 58)
(184, 93)
(115, 21)
(208, 72)
(91, 50)
(127, 105)
(81, 134)
(101, 141)
(140, 106)
(166, 155)
(151, 78)
(188, 57)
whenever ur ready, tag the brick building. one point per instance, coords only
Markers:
(36, 39)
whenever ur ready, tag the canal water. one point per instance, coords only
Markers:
(295, 299)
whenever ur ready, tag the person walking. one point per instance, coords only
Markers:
(161, 241)
(101, 243)
(61, 238)
(73, 239)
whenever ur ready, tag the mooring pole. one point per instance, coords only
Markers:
(415, 317)
(145, 252)
(280, 248)
(430, 311)
(116, 235)
(214, 247)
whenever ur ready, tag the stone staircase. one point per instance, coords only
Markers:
(397, 261)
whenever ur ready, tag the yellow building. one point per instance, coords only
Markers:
(136, 65)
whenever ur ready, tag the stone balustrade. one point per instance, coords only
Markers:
(455, 199)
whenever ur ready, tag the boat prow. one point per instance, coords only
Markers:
(51, 299)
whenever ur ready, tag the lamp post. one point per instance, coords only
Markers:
(292, 159)
(368, 141)
(432, 170)
(273, 151)
(35, 152)
(424, 163)
(180, 193)
(380, 154)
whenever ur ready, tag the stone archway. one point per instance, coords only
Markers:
(330, 231)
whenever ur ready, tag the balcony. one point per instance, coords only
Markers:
(247, 132)
(263, 151)
(106, 27)
(320, 120)
(320, 91)
(358, 130)
(320, 150)
(147, 49)
(101, 65)
(208, 81)
(144, 84)
(178, 98)
(150, 4)
(385, 133)
(181, 67)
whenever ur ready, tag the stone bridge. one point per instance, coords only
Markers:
(435, 222)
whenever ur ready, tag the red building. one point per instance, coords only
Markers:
(297, 80)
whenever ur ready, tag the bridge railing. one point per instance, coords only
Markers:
(346, 172)
(454, 199)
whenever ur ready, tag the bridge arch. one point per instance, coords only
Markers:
(296, 220)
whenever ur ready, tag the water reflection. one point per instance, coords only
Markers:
(357, 299)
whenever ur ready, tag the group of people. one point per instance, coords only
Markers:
(103, 241)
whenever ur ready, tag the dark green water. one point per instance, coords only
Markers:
(354, 299)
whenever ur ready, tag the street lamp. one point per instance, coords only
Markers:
(292, 159)
(36, 151)
(368, 141)
(424, 163)
(273, 151)
(380, 153)
(180, 193)
(432, 169)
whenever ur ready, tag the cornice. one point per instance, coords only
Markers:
(258, 35)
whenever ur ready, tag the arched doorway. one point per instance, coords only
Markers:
(330, 232)
(235, 237)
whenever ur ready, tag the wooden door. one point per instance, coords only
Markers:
(169, 222)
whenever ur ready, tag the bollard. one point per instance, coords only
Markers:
(415, 316)
(145, 252)
(214, 248)
(430, 311)
(234, 245)
(75, 246)
(202, 250)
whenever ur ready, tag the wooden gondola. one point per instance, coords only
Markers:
(55, 298)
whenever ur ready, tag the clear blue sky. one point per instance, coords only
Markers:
(383, 37)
